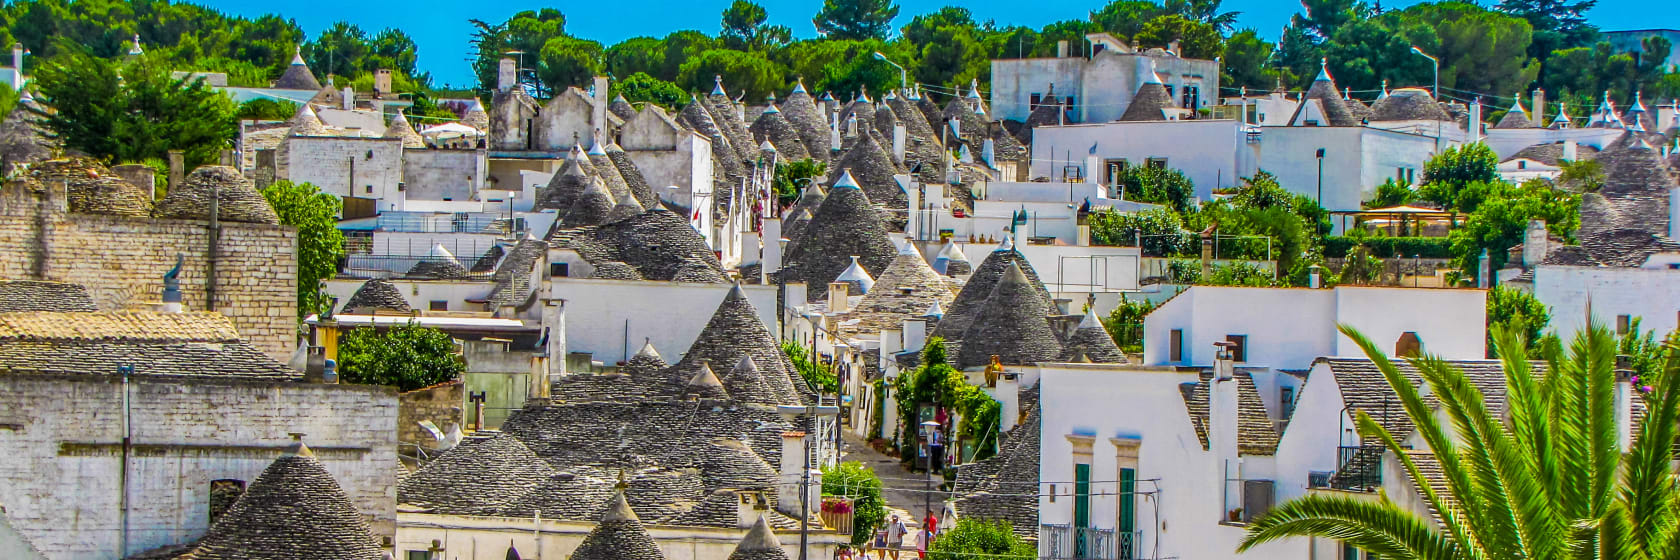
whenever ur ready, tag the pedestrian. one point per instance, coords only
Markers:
(930, 525)
(895, 536)
(936, 452)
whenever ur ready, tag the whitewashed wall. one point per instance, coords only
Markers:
(1652, 294)
(600, 313)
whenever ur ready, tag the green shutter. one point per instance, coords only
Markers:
(1081, 507)
(1128, 511)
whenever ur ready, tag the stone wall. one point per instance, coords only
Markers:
(328, 163)
(439, 403)
(442, 174)
(122, 262)
(61, 474)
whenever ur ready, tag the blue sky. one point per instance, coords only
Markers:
(440, 27)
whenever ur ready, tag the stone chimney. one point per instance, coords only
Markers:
(1534, 243)
(507, 74)
(1538, 107)
(1172, 46)
(177, 168)
(1475, 124)
(793, 462)
(1571, 150)
(554, 322)
(838, 292)
(898, 141)
(142, 176)
(1062, 49)
(1222, 419)
(349, 98)
(750, 504)
(598, 117)
(381, 81)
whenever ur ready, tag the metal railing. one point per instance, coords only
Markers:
(1360, 467)
(433, 223)
(403, 266)
(1066, 542)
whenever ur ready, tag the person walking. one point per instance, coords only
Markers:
(936, 452)
(895, 536)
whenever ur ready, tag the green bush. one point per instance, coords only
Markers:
(1390, 247)
(407, 357)
(814, 372)
(853, 480)
(978, 539)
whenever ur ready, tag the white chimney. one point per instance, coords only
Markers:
(1222, 420)
(1062, 49)
(1094, 173)
(1538, 106)
(17, 62)
(834, 133)
(1534, 243)
(838, 292)
(1475, 125)
(1008, 394)
(892, 342)
(349, 99)
(793, 461)
(1571, 150)
(382, 81)
(1625, 387)
(915, 334)
(507, 74)
(598, 118)
(554, 321)
(898, 142)
(772, 241)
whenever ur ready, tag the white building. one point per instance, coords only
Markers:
(1099, 85)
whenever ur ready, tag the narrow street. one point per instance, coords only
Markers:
(901, 488)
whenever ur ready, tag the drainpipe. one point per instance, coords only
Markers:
(127, 450)
(536, 531)
(215, 247)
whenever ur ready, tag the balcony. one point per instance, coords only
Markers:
(1066, 542)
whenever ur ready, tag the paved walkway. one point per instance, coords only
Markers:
(901, 490)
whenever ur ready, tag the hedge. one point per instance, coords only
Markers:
(1336, 247)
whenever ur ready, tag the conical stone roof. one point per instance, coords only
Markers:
(646, 362)
(1152, 98)
(293, 510)
(633, 177)
(872, 167)
(733, 332)
(658, 243)
(705, 385)
(92, 188)
(699, 119)
(399, 128)
(607, 170)
(476, 117)
(298, 76)
(439, 264)
(238, 199)
(1013, 325)
(750, 385)
(856, 277)
(906, 289)
(1517, 117)
(960, 314)
(626, 208)
(759, 544)
(773, 127)
(22, 140)
(377, 294)
(564, 188)
(591, 207)
(619, 536)
(728, 119)
(886, 121)
(306, 123)
(916, 124)
(802, 113)
(845, 225)
(1092, 342)
(622, 108)
(478, 477)
(1408, 104)
(1324, 90)
(615, 270)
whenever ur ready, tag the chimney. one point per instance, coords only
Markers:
(772, 243)
(898, 142)
(892, 342)
(554, 323)
(598, 118)
(1222, 419)
(1538, 107)
(329, 372)
(1475, 124)
(915, 334)
(793, 461)
(1534, 243)
(1571, 150)
(314, 364)
(1482, 272)
(838, 293)
(750, 504)
(988, 153)
(177, 168)
(139, 175)
(1008, 394)
(507, 74)
(381, 81)
(17, 62)
(1172, 47)
(1314, 276)
(349, 98)
(1207, 254)
(834, 133)
(1062, 48)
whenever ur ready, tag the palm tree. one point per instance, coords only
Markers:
(1547, 481)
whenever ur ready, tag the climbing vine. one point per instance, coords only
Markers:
(937, 382)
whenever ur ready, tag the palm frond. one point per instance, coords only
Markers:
(1649, 495)
(1376, 527)
(1451, 518)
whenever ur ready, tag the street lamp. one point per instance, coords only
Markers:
(903, 78)
(1436, 91)
(793, 412)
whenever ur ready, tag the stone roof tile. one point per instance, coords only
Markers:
(293, 510)
(32, 295)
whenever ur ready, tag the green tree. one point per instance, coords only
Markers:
(1125, 18)
(1454, 168)
(744, 28)
(979, 538)
(640, 87)
(1582, 176)
(527, 32)
(1542, 478)
(743, 72)
(1247, 63)
(337, 50)
(1645, 354)
(1196, 39)
(1498, 222)
(1513, 310)
(1204, 11)
(265, 110)
(645, 55)
(406, 356)
(858, 482)
(844, 66)
(320, 244)
(791, 176)
(953, 57)
(1392, 193)
(132, 110)
(935, 381)
(1160, 231)
(1262, 191)
(814, 372)
(568, 61)
(1125, 324)
(681, 46)
(855, 19)
(1159, 185)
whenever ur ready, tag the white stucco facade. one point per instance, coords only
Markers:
(1649, 293)
(613, 318)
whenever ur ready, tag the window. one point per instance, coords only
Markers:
(1192, 97)
(1408, 346)
(223, 493)
(1399, 174)
(1411, 175)
(1622, 324)
(1157, 163)
(419, 555)
(1239, 353)
(370, 189)
(558, 270)
(1114, 168)
(1175, 347)
(437, 305)
(1081, 506)
(1128, 509)
(1169, 90)
(1521, 164)
(1286, 401)
(1034, 102)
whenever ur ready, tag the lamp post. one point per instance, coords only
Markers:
(1320, 199)
(1436, 91)
(927, 464)
(903, 78)
(793, 412)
